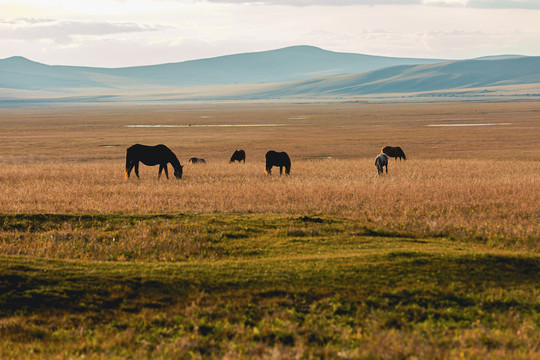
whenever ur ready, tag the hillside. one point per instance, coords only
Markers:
(288, 64)
(456, 76)
(290, 73)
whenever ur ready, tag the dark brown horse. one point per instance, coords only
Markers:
(394, 151)
(195, 160)
(238, 155)
(280, 159)
(151, 156)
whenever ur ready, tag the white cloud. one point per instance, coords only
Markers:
(62, 31)
(485, 4)
(505, 4)
(137, 32)
(319, 2)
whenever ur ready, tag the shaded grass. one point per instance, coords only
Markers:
(178, 237)
(272, 285)
(390, 279)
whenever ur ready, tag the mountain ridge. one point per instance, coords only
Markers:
(293, 72)
(286, 64)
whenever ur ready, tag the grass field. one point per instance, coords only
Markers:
(439, 258)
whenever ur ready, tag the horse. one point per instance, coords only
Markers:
(238, 155)
(151, 156)
(394, 151)
(195, 160)
(380, 161)
(280, 159)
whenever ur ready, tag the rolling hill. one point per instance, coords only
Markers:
(288, 64)
(294, 72)
(456, 76)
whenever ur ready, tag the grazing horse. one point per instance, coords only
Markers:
(195, 160)
(238, 155)
(381, 161)
(280, 159)
(151, 156)
(394, 151)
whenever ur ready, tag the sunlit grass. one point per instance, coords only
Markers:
(487, 201)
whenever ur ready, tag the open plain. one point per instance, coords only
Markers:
(439, 258)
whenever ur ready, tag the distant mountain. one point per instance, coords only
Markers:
(287, 64)
(290, 73)
(456, 76)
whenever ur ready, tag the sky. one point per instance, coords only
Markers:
(119, 33)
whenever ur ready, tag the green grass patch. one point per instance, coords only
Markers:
(261, 286)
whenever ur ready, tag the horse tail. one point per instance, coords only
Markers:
(403, 154)
(126, 173)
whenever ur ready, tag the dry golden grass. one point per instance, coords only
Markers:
(493, 200)
(479, 183)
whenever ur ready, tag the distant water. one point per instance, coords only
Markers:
(201, 125)
(444, 125)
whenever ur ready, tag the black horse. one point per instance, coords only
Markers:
(151, 156)
(238, 155)
(280, 159)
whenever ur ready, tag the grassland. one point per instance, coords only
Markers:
(437, 259)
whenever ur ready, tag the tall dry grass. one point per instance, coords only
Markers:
(488, 201)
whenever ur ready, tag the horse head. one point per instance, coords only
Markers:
(178, 172)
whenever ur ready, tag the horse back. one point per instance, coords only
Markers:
(238, 155)
(393, 151)
(278, 158)
(149, 155)
(381, 159)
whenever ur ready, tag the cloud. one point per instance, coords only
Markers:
(505, 4)
(483, 4)
(62, 31)
(318, 2)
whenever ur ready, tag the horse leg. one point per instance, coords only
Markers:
(129, 166)
(280, 170)
(127, 170)
(137, 169)
(166, 171)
